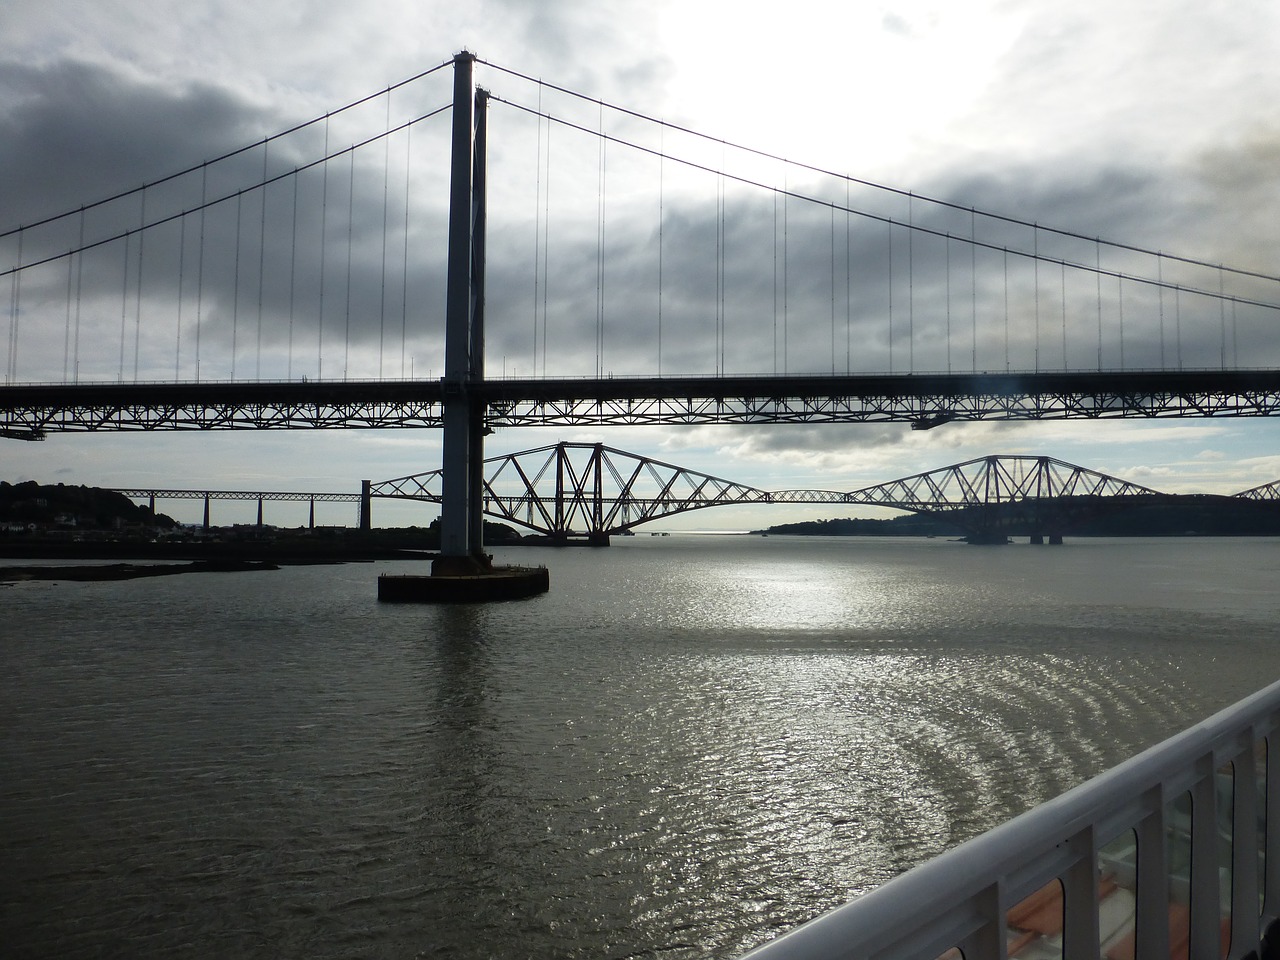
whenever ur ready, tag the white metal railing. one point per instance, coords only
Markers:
(1165, 855)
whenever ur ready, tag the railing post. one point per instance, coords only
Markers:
(990, 939)
(1080, 899)
(1151, 912)
(1205, 909)
(1245, 930)
(1271, 886)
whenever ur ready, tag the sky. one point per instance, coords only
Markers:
(1151, 123)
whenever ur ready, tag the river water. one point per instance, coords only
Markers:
(689, 745)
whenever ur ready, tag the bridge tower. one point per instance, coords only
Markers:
(366, 507)
(462, 483)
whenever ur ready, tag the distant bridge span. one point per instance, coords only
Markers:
(151, 494)
(592, 491)
(1266, 491)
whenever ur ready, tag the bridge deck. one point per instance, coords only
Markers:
(925, 400)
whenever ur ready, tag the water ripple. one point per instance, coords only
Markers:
(686, 747)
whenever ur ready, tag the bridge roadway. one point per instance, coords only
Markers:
(30, 411)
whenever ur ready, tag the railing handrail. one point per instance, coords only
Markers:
(952, 899)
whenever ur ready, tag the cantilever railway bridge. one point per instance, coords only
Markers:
(590, 491)
(593, 491)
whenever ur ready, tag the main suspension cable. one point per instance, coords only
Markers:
(766, 155)
(786, 192)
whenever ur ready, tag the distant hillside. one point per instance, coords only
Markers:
(1192, 515)
(1171, 516)
(907, 525)
(82, 507)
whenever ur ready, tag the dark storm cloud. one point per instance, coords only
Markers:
(73, 132)
(258, 269)
(1239, 181)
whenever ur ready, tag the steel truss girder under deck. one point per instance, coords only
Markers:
(35, 410)
(924, 400)
(921, 412)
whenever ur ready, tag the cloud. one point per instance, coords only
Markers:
(73, 132)
(1238, 181)
(327, 247)
(551, 38)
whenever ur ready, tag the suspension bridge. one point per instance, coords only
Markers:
(590, 492)
(623, 271)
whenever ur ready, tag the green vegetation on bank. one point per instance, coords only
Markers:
(30, 505)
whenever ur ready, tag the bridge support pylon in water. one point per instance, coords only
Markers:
(463, 571)
(366, 507)
(461, 524)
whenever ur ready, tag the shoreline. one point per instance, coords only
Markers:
(135, 560)
(10, 575)
(290, 552)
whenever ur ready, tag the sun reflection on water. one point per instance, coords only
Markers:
(681, 748)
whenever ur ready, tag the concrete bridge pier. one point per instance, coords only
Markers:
(366, 507)
(461, 526)
(463, 571)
